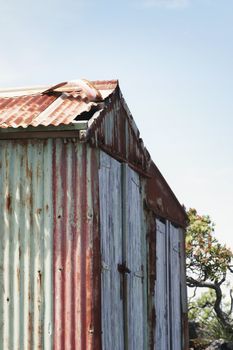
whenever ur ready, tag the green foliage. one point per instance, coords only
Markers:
(201, 310)
(208, 266)
(207, 259)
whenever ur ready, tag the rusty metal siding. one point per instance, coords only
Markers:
(54, 105)
(111, 253)
(21, 111)
(26, 240)
(114, 132)
(161, 200)
(46, 270)
(72, 257)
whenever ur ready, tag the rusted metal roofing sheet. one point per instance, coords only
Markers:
(161, 199)
(55, 105)
(48, 223)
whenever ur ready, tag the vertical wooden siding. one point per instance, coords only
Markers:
(135, 318)
(161, 303)
(175, 289)
(123, 321)
(111, 252)
(168, 288)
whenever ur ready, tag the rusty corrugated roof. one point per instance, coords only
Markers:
(52, 105)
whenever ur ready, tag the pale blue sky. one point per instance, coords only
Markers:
(174, 62)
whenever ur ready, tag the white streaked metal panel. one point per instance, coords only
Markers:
(111, 251)
(161, 300)
(175, 284)
(25, 248)
(134, 261)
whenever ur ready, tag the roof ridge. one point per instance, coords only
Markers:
(37, 89)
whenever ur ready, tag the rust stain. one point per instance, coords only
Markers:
(8, 202)
(18, 279)
(39, 278)
(29, 200)
(69, 99)
(161, 200)
(28, 171)
(30, 330)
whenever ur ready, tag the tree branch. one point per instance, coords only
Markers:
(231, 306)
(191, 282)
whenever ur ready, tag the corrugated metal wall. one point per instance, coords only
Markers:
(46, 216)
(26, 234)
(50, 250)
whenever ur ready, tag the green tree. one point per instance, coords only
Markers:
(208, 266)
(201, 310)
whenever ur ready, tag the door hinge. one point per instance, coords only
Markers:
(122, 268)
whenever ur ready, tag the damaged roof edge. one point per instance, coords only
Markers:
(76, 125)
(104, 85)
(55, 105)
(155, 171)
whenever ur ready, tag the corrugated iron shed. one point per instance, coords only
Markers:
(55, 226)
(83, 105)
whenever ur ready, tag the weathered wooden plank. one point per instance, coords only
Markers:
(168, 285)
(134, 260)
(183, 272)
(111, 251)
(175, 285)
(161, 333)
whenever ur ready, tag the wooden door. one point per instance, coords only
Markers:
(133, 255)
(111, 251)
(122, 278)
(175, 288)
(161, 286)
(168, 334)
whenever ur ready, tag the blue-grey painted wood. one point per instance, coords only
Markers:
(168, 287)
(175, 286)
(161, 332)
(111, 251)
(134, 260)
(183, 272)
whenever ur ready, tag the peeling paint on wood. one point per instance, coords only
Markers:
(134, 261)
(111, 252)
(168, 287)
